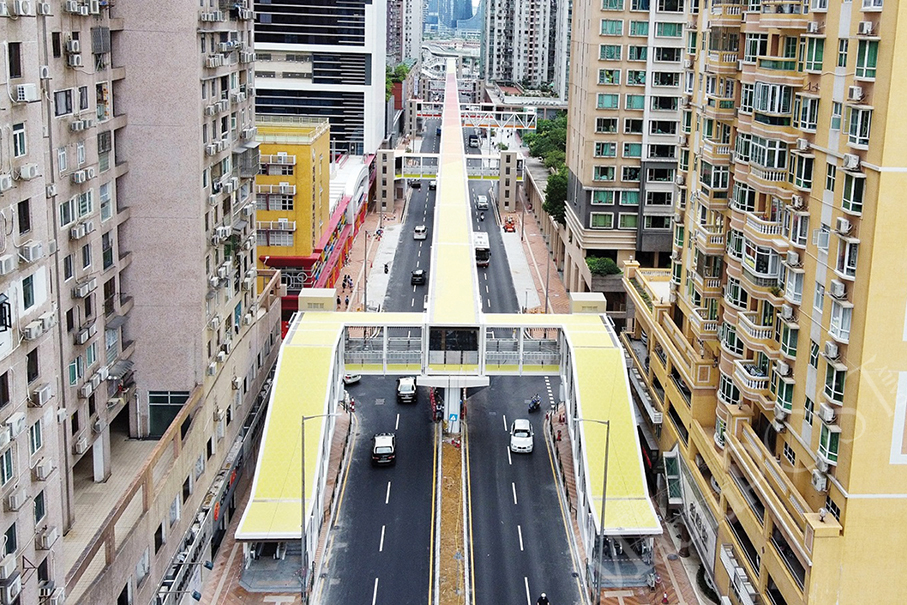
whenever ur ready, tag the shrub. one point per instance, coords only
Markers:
(602, 266)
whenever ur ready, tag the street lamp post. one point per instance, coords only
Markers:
(601, 541)
(547, 277)
(365, 272)
(303, 556)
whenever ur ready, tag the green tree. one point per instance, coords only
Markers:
(556, 196)
(602, 266)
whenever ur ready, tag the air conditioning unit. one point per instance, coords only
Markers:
(58, 597)
(83, 290)
(8, 567)
(73, 46)
(212, 62)
(23, 8)
(214, 282)
(221, 357)
(248, 243)
(247, 210)
(851, 161)
(796, 201)
(687, 63)
(831, 350)
(224, 231)
(4, 440)
(86, 390)
(6, 182)
(247, 319)
(212, 369)
(83, 10)
(245, 14)
(787, 312)
(16, 500)
(822, 464)
(31, 251)
(827, 413)
(9, 592)
(82, 336)
(793, 258)
(214, 324)
(228, 186)
(33, 331)
(865, 28)
(842, 225)
(782, 368)
(42, 395)
(43, 469)
(778, 425)
(739, 64)
(802, 144)
(72, 6)
(44, 72)
(79, 177)
(80, 446)
(812, 27)
(44, 9)
(90, 172)
(7, 264)
(247, 284)
(98, 426)
(74, 61)
(47, 538)
(16, 424)
(222, 272)
(27, 93)
(227, 347)
(855, 93)
(678, 179)
(89, 226)
(819, 480)
(249, 133)
(212, 199)
(837, 289)
(28, 171)
(210, 110)
(77, 125)
(48, 320)
(236, 383)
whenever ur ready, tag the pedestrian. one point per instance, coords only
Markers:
(347, 302)
(338, 302)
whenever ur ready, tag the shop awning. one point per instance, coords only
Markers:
(120, 369)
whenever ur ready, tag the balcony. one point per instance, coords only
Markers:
(716, 153)
(281, 159)
(784, 14)
(726, 15)
(720, 108)
(761, 285)
(753, 332)
(762, 230)
(779, 70)
(768, 180)
(278, 225)
(276, 189)
(752, 380)
(707, 285)
(711, 240)
(703, 327)
(791, 562)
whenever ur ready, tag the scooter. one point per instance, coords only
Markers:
(535, 404)
(482, 216)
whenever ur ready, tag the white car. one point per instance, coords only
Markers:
(349, 378)
(521, 436)
(420, 232)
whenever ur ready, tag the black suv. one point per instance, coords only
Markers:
(418, 277)
(384, 448)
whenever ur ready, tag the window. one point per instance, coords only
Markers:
(808, 411)
(633, 150)
(61, 160)
(769, 153)
(815, 49)
(829, 438)
(847, 257)
(789, 338)
(755, 45)
(657, 222)
(612, 5)
(628, 221)
(629, 198)
(14, 56)
(630, 174)
(852, 199)
(159, 538)
(605, 150)
(12, 543)
(637, 53)
(23, 216)
(6, 466)
(747, 92)
(814, 353)
(639, 28)
(668, 55)
(143, 567)
(603, 197)
(603, 173)
(831, 172)
(793, 290)
(819, 298)
(839, 324)
(62, 102)
(669, 30)
(842, 52)
(606, 125)
(601, 220)
(609, 52)
(107, 250)
(83, 98)
(86, 203)
(34, 438)
(31, 366)
(860, 120)
(632, 126)
(803, 172)
(806, 113)
(19, 145)
(639, 5)
(608, 76)
(86, 256)
(67, 267)
(867, 57)
(612, 27)
(636, 77)
(174, 510)
(106, 202)
(608, 101)
(727, 390)
(636, 102)
(789, 453)
(836, 113)
(659, 198)
(40, 507)
(28, 292)
(67, 212)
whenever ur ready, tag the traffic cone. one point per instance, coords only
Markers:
(664, 599)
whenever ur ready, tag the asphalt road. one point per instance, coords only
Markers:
(518, 529)
(380, 547)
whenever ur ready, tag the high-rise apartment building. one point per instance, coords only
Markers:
(518, 45)
(404, 31)
(307, 66)
(131, 350)
(624, 113)
(772, 353)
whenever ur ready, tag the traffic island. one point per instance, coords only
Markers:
(452, 554)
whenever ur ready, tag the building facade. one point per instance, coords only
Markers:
(404, 31)
(770, 357)
(307, 67)
(130, 343)
(519, 42)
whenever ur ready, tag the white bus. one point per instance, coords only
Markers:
(483, 250)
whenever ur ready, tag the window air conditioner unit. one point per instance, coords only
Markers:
(812, 27)
(86, 390)
(44, 72)
(793, 258)
(28, 171)
(31, 251)
(865, 28)
(211, 149)
(9, 592)
(210, 110)
(4, 440)
(7, 264)
(83, 290)
(248, 243)
(247, 284)
(33, 331)
(23, 8)
(221, 357)
(47, 538)
(77, 125)
(214, 282)
(802, 144)
(837, 289)
(83, 10)
(214, 324)
(227, 347)
(72, 6)
(819, 480)
(778, 425)
(16, 500)
(16, 424)
(212, 199)
(48, 320)
(42, 395)
(249, 133)
(843, 226)
(222, 272)
(851, 161)
(247, 210)
(787, 312)
(43, 469)
(212, 369)
(6, 182)
(90, 172)
(80, 446)
(822, 464)
(8, 567)
(831, 350)
(236, 383)
(796, 201)
(74, 61)
(855, 93)
(27, 93)
(73, 47)
(827, 413)
(79, 177)
(678, 179)
(224, 231)
(247, 319)
(82, 336)
(44, 9)
(782, 368)
(98, 426)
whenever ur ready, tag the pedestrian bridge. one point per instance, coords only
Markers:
(451, 345)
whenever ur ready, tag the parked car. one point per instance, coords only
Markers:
(418, 277)
(350, 378)
(384, 448)
(521, 436)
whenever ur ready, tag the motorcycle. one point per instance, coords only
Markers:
(482, 216)
(535, 404)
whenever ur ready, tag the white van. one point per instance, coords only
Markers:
(482, 203)
(419, 232)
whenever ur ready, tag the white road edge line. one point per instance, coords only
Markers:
(387, 498)
(381, 544)
(519, 530)
(513, 485)
(375, 592)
